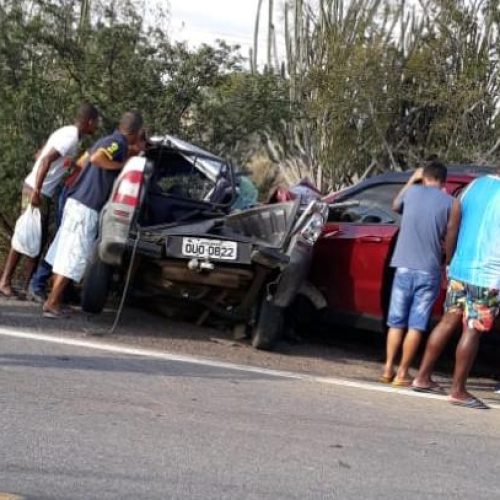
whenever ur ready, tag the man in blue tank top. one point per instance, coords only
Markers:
(418, 259)
(473, 295)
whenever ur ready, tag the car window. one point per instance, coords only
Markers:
(381, 195)
(193, 186)
(374, 206)
(174, 175)
(362, 214)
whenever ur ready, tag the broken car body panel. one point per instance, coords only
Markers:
(172, 210)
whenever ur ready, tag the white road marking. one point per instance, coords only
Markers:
(10, 314)
(167, 356)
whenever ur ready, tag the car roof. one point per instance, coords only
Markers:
(453, 170)
(456, 172)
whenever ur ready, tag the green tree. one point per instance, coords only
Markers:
(56, 53)
(235, 117)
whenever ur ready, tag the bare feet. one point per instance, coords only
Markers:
(423, 382)
(403, 375)
(460, 395)
(53, 312)
(7, 292)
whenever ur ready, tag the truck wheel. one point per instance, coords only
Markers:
(268, 327)
(302, 317)
(96, 286)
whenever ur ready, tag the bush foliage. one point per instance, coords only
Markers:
(366, 85)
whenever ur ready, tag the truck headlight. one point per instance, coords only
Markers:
(312, 230)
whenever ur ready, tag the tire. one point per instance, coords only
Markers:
(268, 327)
(96, 286)
(302, 317)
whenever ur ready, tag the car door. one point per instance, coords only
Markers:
(351, 263)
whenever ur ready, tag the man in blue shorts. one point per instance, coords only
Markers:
(418, 258)
(473, 295)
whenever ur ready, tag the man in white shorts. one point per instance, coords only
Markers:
(43, 180)
(73, 245)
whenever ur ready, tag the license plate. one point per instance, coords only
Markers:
(209, 249)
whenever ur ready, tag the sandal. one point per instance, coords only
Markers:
(471, 402)
(432, 389)
(402, 382)
(384, 379)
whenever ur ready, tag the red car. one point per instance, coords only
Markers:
(351, 259)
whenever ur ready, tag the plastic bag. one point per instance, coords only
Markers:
(27, 237)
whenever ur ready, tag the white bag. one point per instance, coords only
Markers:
(27, 237)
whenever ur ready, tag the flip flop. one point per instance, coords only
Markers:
(405, 382)
(53, 314)
(384, 379)
(471, 402)
(433, 389)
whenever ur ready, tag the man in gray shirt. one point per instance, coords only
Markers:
(418, 259)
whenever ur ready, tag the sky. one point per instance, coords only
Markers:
(199, 21)
(203, 21)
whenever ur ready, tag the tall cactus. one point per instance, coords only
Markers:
(270, 35)
(272, 58)
(256, 36)
(384, 84)
(84, 15)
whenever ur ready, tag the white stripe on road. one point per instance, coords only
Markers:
(11, 314)
(167, 356)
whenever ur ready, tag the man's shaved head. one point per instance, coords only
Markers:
(87, 118)
(131, 123)
(87, 112)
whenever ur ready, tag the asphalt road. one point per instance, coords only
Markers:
(79, 423)
(328, 351)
